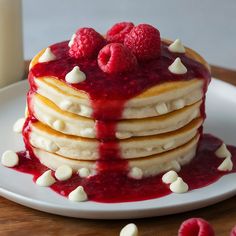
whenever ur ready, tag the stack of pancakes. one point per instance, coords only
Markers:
(159, 129)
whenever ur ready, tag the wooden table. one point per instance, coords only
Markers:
(19, 220)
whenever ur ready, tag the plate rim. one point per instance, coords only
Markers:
(38, 203)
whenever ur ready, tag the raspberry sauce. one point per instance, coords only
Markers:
(109, 92)
(108, 95)
(112, 186)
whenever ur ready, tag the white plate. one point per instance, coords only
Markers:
(18, 187)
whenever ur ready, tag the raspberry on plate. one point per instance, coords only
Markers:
(144, 41)
(116, 58)
(86, 43)
(195, 227)
(117, 33)
(233, 231)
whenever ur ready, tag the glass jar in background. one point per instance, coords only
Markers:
(11, 45)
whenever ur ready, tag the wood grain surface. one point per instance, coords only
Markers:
(19, 220)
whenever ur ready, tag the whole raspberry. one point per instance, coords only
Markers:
(115, 58)
(195, 227)
(86, 43)
(233, 231)
(116, 34)
(144, 41)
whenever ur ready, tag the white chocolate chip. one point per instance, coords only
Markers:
(48, 120)
(65, 104)
(58, 125)
(78, 195)
(123, 135)
(169, 177)
(161, 108)
(222, 151)
(84, 172)
(75, 76)
(10, 159)
(87, 132)
(18, 126)
(195, 113)
(177, 67)
(179, 186)
(51, 146)
(86, 153)
(178, 104)
(177, 46)
(63, 173)
(169, 145)
(135, 173)
(176, 166)
(129, 230)
(85, 110)
(226, 165)
(44, 143)
(71, 40)
(46, 179)
(149, 149)
(47, 56)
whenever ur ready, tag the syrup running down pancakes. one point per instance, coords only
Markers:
(120, 132)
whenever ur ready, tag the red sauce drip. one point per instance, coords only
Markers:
(115, 186)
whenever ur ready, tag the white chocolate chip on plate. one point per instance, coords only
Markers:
(179, 186)
(78, 195)
(46, 179)
(169, 177)
(226, 165)
(9, 159)
(84, 172)
(222, 151)
(135, 173)
(63, 172)
(18, 126)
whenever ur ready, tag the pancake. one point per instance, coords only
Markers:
(150, 166)
(75, 147)
(48, 113)
(172, 95)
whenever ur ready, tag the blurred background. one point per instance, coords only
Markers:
(207, 26)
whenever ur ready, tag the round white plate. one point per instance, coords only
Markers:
(19, 187)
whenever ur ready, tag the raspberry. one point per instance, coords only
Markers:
(195, 227)
(115, 58)
(233, 231)
(86, 43)
(116, 34)
(144, 41)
